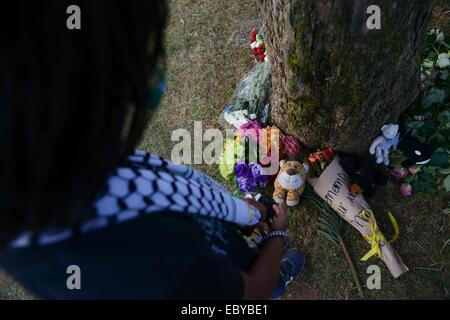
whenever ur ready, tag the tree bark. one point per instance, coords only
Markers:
(335, 82)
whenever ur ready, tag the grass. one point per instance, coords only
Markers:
(207, 55)
(10, 290)
(207, 46)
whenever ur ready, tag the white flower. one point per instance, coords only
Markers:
(252, 116)
(253, 45)
(443, 60)
(236, 118)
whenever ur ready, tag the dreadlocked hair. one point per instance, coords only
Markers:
(72, 104)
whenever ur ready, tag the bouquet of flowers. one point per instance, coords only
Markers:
(332, 184)
(245, 159)
(231, 154)
(250, 177)
(251, 98)
(258, 46)
(292, 146)
(319, 160)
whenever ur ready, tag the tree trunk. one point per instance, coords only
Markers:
(335, 82)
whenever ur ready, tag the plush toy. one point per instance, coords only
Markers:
(381, 145)
(290, 182)
(364, 175)
(414, 151)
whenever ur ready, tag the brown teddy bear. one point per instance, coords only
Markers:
(290, 182)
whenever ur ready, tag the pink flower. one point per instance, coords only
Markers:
(250, 130)
(399, 173)
(406, 190)
(292, 146)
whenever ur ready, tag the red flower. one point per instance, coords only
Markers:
(263, 47)
(255, 51)
(325, 154)
(253, 36)
(261, 57)
(329, 153)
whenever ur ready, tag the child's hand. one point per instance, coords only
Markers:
(280, 221)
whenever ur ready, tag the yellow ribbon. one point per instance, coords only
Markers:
(377, 236)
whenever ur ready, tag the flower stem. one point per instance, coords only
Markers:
(352, 268)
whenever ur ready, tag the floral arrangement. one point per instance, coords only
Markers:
(250, 177)
(235, 164)
(428, 119)
(232, 153)
(331, 185)
(258, 46)
(319, 160)
(251, 98)
(292, 146)
(238, 118)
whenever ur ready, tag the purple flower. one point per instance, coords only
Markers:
(406, 190)
(399, 173)
(246, 185)
(250, 177)
(263, 180)
(256, 170)
(258, 176)
(242, 170)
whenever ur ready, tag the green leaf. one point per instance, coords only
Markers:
(437, 140)
(414, 124)
(444, 116)
(428, 128)
(447, 183)
(444, 74)
(445, 171)
(410, 179)
(433, 96)
(422, 186)
(439, 158)
(329, 237)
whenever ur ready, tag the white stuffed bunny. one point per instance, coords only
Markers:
(381, 145)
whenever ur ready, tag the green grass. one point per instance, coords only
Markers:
(10, 290)
(207, 46)
(207, 55)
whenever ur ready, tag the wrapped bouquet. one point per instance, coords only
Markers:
(331, 183)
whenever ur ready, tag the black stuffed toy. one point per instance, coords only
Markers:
(364, 174)
(414, 151)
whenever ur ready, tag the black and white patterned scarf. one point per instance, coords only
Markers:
(149, 184)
